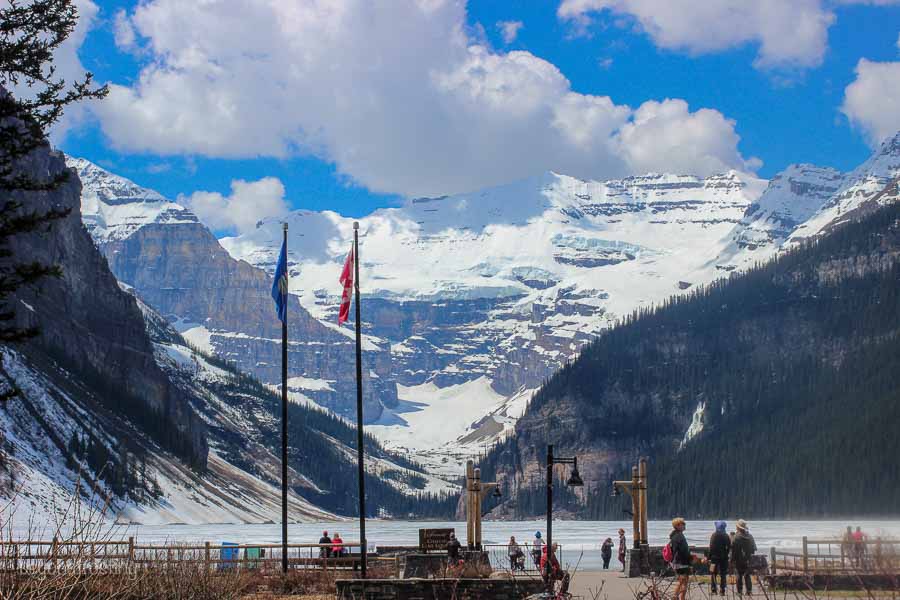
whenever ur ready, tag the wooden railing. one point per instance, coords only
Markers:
(839, 557)
(124, 555)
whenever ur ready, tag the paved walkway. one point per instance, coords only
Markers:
(613, 585)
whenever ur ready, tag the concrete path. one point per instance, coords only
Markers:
(613, 585)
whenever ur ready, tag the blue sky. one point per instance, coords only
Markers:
(579, 87)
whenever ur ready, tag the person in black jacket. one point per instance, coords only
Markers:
(606, 552)
(453, 547)
(682, 558)
(719, 549)
(743, 548)
(325, 549)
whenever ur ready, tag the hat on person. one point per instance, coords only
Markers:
(537, 534)
(742, 525)
(721, 526)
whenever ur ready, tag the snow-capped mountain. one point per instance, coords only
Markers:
(471, 301)
(219, 304)
(113, 208)
(484, 295)
(872, 184)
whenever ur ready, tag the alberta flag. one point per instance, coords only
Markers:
(280, 285)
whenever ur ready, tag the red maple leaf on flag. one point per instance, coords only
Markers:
(347, 282)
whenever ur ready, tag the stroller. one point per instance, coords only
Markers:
(518, 561)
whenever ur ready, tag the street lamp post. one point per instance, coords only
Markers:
(573, 481)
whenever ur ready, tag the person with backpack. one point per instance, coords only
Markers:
(622, 548)
(743, 548)
(606, 552)
(678, 554)
(719, 549)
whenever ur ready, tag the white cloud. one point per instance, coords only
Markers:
(249, 202)
(69, 67)
(123, 31)
(398, 95)
(789, 33)
(509, 30)
(666, 136)
(872, 100)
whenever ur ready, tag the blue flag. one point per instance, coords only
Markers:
(280, 285)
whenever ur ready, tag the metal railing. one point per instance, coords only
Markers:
(528, 563)
(838, 557)
(126, 555)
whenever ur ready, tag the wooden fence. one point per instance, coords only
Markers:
(126, 555)
(838, 557)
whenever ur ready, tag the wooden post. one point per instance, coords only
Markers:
(642, 473)
(477, 515)
(53, 553)
(636, 507)
(470, 523)
(805, 555)
(207, 556)
(772, 559)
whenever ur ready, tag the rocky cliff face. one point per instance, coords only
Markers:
(220, 304)
(89, 326)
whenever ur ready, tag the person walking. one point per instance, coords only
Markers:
(743, 548)
(622, 548)
(324, 545)
(514, 552)
(719, 550)
(337, 545)
(859, 547)
(606, 552)
(453, 547)
(681, 557)
(537, 548)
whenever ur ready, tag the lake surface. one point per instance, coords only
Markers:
(581, 540)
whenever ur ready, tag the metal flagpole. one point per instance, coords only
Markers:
(359, 407)
(284, 417)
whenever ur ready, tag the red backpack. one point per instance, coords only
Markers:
(668, 553)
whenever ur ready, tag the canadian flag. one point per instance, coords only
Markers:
(347, 282)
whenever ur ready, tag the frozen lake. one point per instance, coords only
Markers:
(580, 539)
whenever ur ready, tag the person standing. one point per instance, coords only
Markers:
(337, 545)
(324, 545)
(681, 557)
(622, 548)
(719, 549)
(537, 548)
(552, 571)
(453, 547)
(743, 548)
(859, 547)
(513, 551)
(606, 552)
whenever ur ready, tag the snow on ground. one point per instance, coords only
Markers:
(441, 428)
